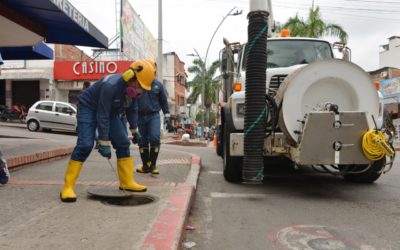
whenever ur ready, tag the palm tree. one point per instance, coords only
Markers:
(210, 84)
(314, 26)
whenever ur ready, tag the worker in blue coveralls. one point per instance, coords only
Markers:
(107, 105)
(149, 106)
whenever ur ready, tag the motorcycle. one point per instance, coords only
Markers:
(15, 112)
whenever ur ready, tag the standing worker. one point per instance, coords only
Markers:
(149, 106)
(107, 105)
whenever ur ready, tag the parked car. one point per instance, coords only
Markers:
(49, 115)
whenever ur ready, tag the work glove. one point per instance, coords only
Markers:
(4, 174)
(136, 137)
(167, 118)
(105, 149)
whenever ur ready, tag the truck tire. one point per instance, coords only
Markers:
(218, 149)
(232, 165)
(368, 176)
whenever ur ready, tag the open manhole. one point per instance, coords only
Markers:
(135, 200)
(113, 196)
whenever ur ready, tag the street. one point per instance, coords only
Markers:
(293, 211)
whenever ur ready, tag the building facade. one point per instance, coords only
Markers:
(174, 80)
(390, 55)
(26, 81)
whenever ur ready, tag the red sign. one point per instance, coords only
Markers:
(87, 70)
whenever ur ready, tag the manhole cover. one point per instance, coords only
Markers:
(116, 197)
(103, 192)
(134, 200)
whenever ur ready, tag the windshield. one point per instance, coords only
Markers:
(286, 53)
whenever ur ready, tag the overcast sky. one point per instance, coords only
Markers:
(189, 24)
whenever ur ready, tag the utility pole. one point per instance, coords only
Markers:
(160, 45)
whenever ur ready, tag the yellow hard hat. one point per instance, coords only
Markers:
(143, 71)
(153, 63)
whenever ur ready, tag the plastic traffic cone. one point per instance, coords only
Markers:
(215, 141)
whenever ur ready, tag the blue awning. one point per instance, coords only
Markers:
(1, 60)
(56, 20)
(39, 51)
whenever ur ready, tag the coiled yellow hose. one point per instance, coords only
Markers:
(374, 145)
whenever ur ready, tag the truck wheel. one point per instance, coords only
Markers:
(232, 165)
(369, 176)
(218, 149)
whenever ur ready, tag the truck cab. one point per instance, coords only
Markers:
(285, 55)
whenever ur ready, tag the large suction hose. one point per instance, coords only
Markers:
(254, 119)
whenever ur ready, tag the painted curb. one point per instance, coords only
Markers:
(168, 230)
(20, 160)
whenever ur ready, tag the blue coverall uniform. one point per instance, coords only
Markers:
(149, 106)
(104, 106)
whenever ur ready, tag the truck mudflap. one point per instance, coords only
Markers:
(329, 138)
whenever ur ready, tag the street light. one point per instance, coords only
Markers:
(205, 62)
(237, 13)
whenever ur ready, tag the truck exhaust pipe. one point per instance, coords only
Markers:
(254, 118)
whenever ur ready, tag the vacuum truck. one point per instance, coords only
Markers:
(287, 100)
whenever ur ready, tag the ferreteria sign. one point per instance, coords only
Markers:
(72, 12)
(87, 70)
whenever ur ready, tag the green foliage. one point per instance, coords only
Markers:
(314, 26)
(211, 84)
(211, 121)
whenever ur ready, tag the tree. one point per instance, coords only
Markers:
(314, 26)
(210, 87)
(212, 118)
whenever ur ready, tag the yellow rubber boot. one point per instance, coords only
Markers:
(71, 175)
(144, 169)
(126, 178)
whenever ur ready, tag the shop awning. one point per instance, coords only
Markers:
(39, 51)
(27, 22)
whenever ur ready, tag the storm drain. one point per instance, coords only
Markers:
(135, 200)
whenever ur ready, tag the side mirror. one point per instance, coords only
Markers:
(342, 48)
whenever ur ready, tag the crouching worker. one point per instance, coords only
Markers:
(107, 105)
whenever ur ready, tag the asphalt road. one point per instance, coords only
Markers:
(293, 210)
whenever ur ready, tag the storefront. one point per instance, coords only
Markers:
(25, 82)
(69, 76)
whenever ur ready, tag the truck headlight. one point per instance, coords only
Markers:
(240, 109)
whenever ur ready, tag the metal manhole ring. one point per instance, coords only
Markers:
(130, 201)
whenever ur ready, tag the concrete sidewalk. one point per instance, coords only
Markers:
(34, 217)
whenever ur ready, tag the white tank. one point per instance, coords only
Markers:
(331, 81)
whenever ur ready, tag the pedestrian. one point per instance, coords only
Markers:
(86, 85)
(108, 105)
(149, 106)
(4, 174)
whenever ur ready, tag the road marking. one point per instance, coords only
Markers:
(312, 237)
(214, 172)
(236, 195)
(177, 161)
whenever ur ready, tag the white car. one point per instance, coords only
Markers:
(49, 115)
